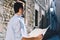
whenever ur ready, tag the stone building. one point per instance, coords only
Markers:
(34, 9)
(41, 6)
(6, 12)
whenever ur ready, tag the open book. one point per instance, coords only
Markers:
(37, 32)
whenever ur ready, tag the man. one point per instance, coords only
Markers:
(16, 29)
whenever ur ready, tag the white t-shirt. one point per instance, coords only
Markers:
(16, 28)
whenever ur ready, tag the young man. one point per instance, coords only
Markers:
(16, 29)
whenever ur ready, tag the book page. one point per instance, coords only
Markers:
(37, 32)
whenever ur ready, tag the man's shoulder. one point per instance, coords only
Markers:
(14, 19)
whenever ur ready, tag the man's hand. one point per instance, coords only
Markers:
(40, 37)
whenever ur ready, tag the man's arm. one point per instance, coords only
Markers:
(17, 30)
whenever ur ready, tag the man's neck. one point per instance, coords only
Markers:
(19, 14)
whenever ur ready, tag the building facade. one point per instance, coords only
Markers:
(34, 9)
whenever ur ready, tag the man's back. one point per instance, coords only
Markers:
(12, 28)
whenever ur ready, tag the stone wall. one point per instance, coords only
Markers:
(30, 14)
(6, 12)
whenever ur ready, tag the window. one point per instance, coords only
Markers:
(36, 18)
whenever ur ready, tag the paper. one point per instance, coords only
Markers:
(37, 32)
